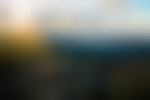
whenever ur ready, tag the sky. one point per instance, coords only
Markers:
(98, 11)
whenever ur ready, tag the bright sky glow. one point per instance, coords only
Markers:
(98, 11)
